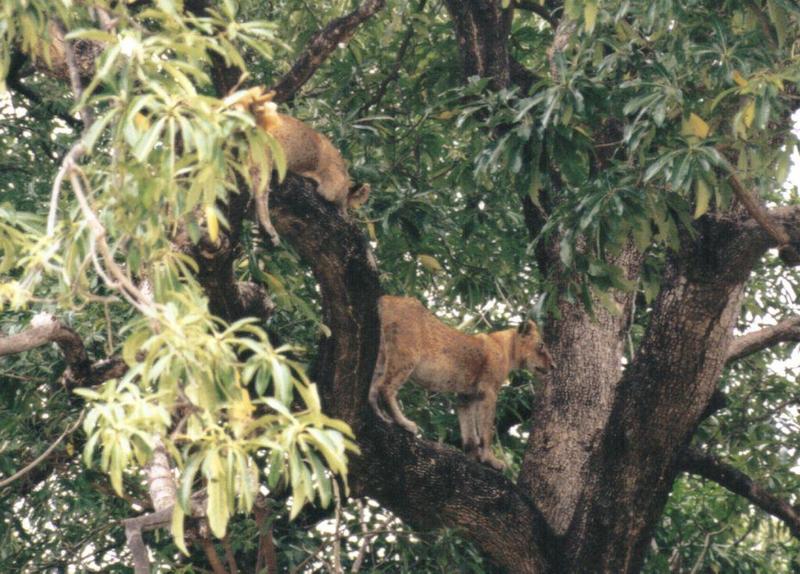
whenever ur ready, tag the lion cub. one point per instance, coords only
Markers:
(308, 153)
(416, 345)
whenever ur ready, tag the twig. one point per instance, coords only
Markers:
(322, 45)
(229, 556)
(67, 164)
(337, 550)
(699, 562)
(398, 63)
(120, 280)
(211, 554)
(540, 11)
(42, 457)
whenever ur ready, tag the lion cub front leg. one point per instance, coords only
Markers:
(485, 409)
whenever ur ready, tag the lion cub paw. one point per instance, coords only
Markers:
(494, 462)
(409, 426)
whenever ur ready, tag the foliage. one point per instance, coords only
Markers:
(694, 92)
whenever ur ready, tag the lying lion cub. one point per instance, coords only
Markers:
(416, 345)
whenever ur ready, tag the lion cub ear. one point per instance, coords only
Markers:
(525, 328)
(358, 194)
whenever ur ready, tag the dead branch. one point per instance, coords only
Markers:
(708, 466)
(321, 46)
(745, 345)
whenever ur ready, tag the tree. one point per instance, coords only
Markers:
(614, 169)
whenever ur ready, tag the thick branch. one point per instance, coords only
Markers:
(321, 46)
(47, 329)
(482, 30)
(785, 330)
(425, 483)
(80, 370)
(708, 466)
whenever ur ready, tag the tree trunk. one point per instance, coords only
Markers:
(606, 437)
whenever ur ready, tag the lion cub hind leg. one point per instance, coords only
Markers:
(378, 381)
(468, 424)
(397, 373)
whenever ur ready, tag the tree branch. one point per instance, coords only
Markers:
(47, 329)
(322, 45)
(14, 82)
(42, 457)
(745, 345)
(266, 556)
(211, 553)
(398, 63)
(540, 11)
(425, 483)
(788, 253)
(708, 466)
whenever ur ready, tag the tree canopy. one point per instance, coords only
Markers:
(180, 394)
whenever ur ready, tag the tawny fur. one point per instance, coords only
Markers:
(308, 153)
(415, 345)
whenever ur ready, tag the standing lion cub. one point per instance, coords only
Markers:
(416, 345)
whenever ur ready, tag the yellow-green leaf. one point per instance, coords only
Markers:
(177, 529)
(749, 113)
(695, 126)
(212, 222)
(702, 197)
(430, 263)
(739, 79)
(589, 16)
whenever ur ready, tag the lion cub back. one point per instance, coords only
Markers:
(311, 154)
(443, 358)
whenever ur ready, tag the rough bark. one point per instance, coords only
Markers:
(482, 28)
(784, 331)
(427, 484)
(576, 402)
(660, 401)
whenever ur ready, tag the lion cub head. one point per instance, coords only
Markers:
(530, 352)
